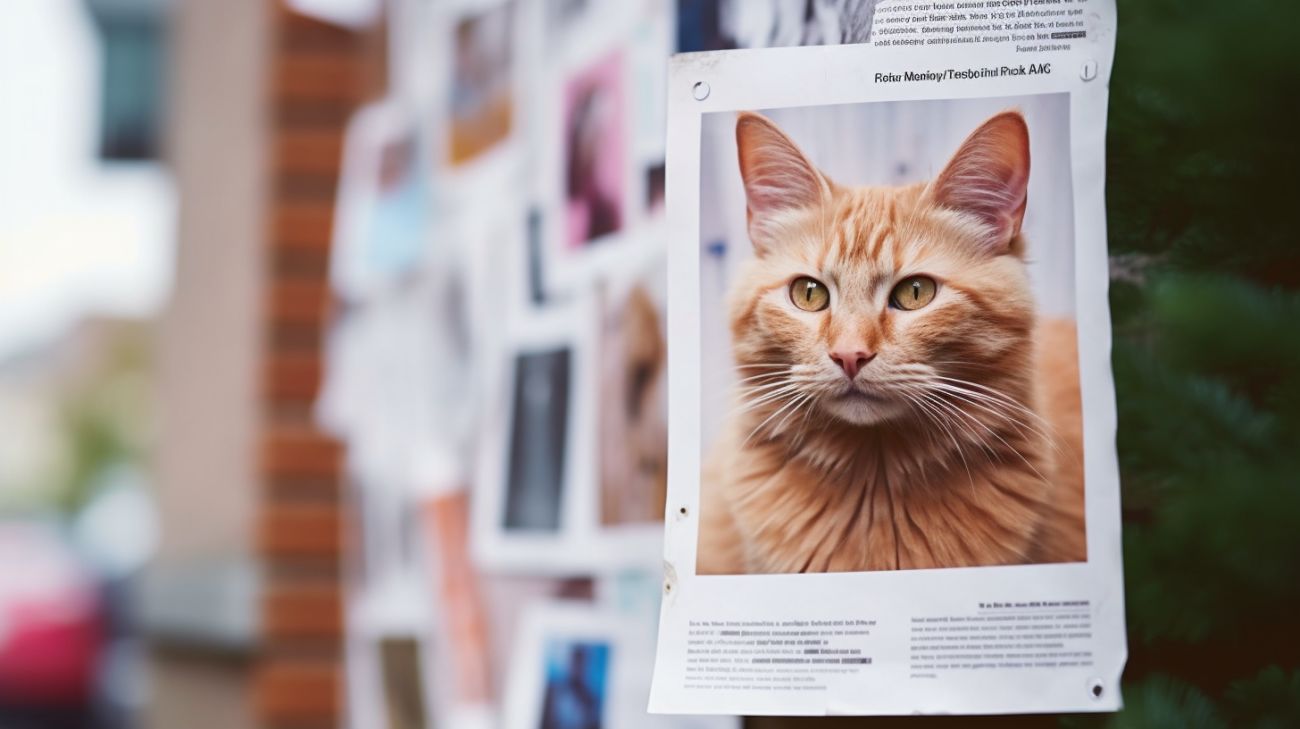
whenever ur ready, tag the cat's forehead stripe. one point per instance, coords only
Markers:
(850, 235)
(864, 221)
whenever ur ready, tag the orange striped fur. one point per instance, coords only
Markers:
(959, 442)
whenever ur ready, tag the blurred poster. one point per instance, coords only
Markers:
(595, 146)
(482, 93)
(384, 213)
(888, 493)
(600, 136)
(573, 459)
(581, 665)
(534, 476)
(477, 615)
(633, 401)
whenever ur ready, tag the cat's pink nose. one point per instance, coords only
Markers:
(852, 362)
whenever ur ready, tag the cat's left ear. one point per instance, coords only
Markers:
(987, 179)
(778, 178)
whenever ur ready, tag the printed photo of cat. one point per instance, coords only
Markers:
(899, 397)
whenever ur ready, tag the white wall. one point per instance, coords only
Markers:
(76, 236)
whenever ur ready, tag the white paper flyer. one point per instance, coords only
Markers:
(893, 485)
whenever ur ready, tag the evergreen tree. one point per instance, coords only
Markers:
(1203, 207)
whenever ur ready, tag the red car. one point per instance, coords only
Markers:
(51, 625)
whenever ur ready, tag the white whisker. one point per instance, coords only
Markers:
(990, 404)
(1002, 440)
(770, 399)
(769, 418)
(934, 418)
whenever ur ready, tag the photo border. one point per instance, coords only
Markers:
(525, 689)
(566, 551)
(564, 268)
(398, 611)
(495, 167)
(635, 545)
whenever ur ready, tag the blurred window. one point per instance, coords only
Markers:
(131, 96)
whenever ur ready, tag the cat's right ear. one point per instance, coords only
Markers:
(778, 178)
(988, 179)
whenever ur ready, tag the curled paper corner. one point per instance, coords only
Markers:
(1112, 693)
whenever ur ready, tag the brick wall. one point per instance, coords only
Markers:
(318, 76)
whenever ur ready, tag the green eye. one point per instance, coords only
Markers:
(912, 293)
(809, 294)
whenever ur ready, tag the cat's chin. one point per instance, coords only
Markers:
(857, 408)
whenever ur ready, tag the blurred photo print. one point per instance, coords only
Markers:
(595, 151)
(575, 684)
(538, 439)
(385, 201)
(586, 664)
(482, 104)
(534, 505)
(633, 402)
(566, 668)
(891, 414)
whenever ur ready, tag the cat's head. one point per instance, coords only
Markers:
(862, 300)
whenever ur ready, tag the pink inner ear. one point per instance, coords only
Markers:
(776, 179)
(989, 176)
(777, 176)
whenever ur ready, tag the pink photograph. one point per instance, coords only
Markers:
(594, 149)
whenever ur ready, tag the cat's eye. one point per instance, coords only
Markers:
(809, 294)
(912, 293)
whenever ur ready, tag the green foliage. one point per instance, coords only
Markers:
(102, 424)
(1201, 193)
(1163, 703)
(1270, 700)
(96, 400)
(1201, 151)
(1208, 461)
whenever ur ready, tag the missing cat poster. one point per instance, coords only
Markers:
(893, 486)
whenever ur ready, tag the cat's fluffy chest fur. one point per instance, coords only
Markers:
(900, 498)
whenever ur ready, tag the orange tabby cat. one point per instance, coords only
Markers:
(900, 404)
